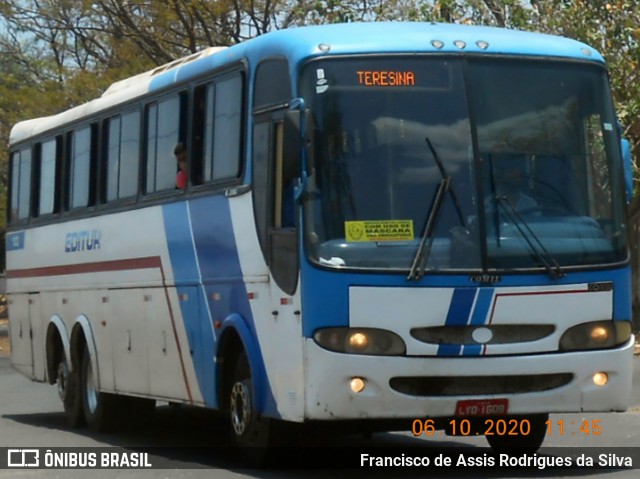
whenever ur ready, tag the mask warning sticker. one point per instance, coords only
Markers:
(385, 230)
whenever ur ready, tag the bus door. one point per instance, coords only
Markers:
(274, 203)
(278, 232)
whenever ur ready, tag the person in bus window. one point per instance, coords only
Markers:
(180, 152)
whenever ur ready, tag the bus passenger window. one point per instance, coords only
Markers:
(164, 129)
(20, 184)
(113, 128)
(123, 155)
(201, 110)
(49, 178)
(15, 186)
(223, 129)
(227, 128)
(81, 167)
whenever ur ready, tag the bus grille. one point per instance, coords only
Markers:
(499, 334)
(478, 385)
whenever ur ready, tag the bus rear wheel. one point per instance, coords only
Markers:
(69, 392)
(521, 443)
(100, 409)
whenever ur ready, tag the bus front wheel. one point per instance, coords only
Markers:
(247, 427)
(527, 439)
(100, 409)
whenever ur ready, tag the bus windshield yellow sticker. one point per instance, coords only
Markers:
(385, 230)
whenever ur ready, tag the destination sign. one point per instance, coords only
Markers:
(386, 78)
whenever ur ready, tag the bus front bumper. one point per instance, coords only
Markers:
(330, 376)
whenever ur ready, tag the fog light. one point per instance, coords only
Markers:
(600, 379)
(357, 385)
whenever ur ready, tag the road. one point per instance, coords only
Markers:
(184, 439)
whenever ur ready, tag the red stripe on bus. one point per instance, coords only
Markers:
(147, 262)
(83, 268)
(175, 334)
(531, 293)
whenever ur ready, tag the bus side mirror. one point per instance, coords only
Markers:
(628, 168)
(297, 141)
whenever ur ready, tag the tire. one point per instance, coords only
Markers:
(100, 409)
(68, 384)
(248, 429)
(521, 444)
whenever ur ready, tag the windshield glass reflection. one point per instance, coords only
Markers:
(545, 151)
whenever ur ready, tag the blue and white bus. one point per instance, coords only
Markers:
(382, 223)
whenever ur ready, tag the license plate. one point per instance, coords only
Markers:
(482, 407)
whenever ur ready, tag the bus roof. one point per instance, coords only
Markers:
(299, 44)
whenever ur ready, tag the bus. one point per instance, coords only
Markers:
(384, 226)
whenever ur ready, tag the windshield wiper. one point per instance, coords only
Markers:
(540, 252)
(424, 249)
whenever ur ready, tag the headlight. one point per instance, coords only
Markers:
(360, 341)
(595, 335)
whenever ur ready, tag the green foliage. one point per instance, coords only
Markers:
(613, 28)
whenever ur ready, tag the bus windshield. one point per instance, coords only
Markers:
(476, 164)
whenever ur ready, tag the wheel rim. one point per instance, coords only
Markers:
(92, 393)
(240, 408)
(62, 380)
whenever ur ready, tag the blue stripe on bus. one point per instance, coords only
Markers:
(186, 275)
(469, 306)
(181, 251)
(472, 350)
(459, 312)
(484, 300)
(204, 255)
(460, 308)
(481, 309)
(622, 296)
(216, 245)
(215, 241)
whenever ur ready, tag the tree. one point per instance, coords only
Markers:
(67, 51)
